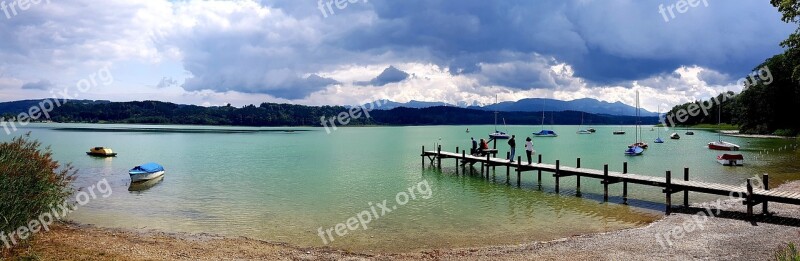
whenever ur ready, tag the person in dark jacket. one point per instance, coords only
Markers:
(474, 148)
(513, 144)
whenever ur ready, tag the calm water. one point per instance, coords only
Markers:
(283, 186)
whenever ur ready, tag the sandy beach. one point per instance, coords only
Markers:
(726, 236)
(735, 133)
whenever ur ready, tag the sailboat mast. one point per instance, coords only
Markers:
(495, 114)
(719, 122)
(636, 136)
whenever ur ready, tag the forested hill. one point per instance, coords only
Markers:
(270, 114)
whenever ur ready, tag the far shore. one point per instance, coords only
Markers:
(727, 236)
(735, 133)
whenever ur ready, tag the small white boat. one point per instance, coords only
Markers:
(722, 145)
(498, 135)
(731, 159)
(584, 131)
(146, 172)
(675, 136)
(719, 144)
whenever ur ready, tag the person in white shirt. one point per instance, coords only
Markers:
(529, 149)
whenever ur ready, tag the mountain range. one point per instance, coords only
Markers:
(533, 105)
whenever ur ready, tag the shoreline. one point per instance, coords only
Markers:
(735, 133)
(725, 236)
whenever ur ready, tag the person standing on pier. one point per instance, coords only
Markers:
(528, 149)
(513, 144)
(474, 148)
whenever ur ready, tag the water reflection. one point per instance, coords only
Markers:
(145, 185)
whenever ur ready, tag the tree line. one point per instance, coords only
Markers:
(763, 107)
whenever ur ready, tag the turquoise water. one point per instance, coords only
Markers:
(274, 185)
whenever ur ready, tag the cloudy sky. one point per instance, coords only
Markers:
(456, 51)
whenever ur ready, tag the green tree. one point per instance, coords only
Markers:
(790, 11)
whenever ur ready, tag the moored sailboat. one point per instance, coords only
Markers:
(637, 148)
(544, 132)
(719, 144)
(498, 135)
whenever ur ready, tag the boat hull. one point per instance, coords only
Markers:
(634, 151)
(731, 162)
(101, 154)
(145, 176)
(723, 146)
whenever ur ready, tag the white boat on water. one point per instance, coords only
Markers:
(146, 172)
(498, 135)
(581, 130)
(719, 144)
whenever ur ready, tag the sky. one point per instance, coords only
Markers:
(320, 52)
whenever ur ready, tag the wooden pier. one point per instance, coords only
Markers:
(751, 196)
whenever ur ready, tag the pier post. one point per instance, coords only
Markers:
(464, 158)
(423, 157)
(765, 180)
(488, 159)
(439, 157)
(668, 192)
(508, 168)
(539, 181)
(578, 180)
(519, 171)
(686, 191)
(457, 150)
(558, 170)
(605, 183)
(749, 200)
(625, 184)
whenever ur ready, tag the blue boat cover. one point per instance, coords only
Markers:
(546, 132)
(149, 167)
(635, 150)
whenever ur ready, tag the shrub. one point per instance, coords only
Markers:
(786, 133)
(30, 182)
(788, 254)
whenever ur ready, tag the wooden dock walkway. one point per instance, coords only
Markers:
(750, 195)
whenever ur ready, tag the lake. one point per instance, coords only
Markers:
(283, 186)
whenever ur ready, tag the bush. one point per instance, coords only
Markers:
(785, 133)
(788, 254)
(30, 182)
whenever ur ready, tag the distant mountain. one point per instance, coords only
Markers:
(585, 105)
(388, 105)
(535, 105)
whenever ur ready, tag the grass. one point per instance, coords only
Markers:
(788, 254)
(30, 182)
(715, 126)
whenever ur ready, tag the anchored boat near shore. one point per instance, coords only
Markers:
(146, 172)
(101, 152)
